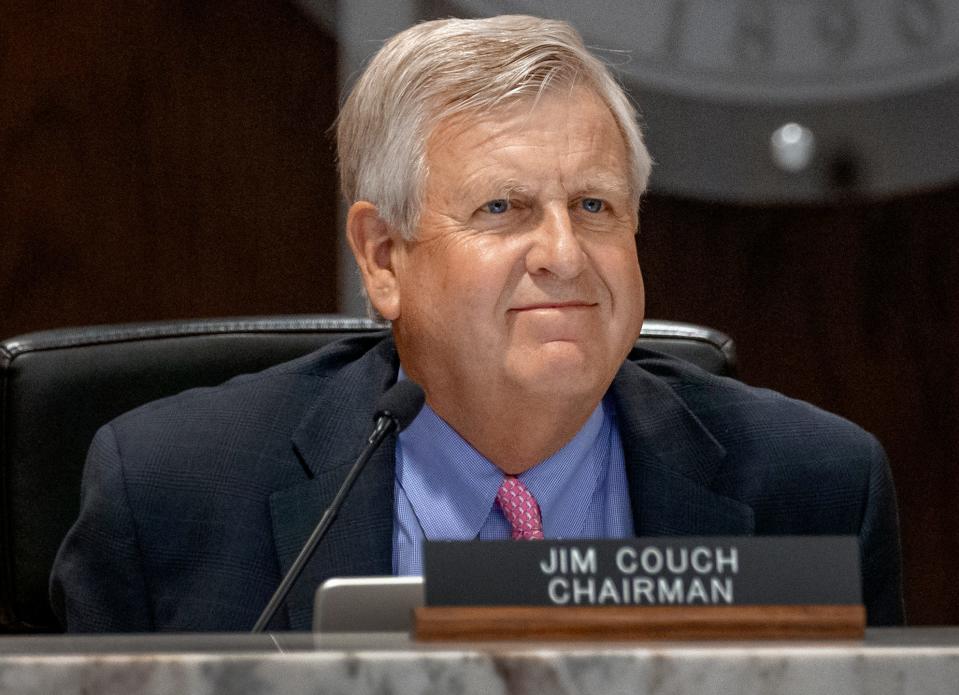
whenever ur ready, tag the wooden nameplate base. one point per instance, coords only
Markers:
(612, 623)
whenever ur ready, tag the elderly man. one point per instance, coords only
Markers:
(494, 170)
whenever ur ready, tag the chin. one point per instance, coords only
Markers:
(563, 369)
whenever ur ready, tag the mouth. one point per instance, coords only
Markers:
(574, 304)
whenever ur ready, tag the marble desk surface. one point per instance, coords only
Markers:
(888, 661)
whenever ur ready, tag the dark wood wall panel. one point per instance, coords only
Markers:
(852, 307)
(164, 160)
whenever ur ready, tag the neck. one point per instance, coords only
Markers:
(515, 432)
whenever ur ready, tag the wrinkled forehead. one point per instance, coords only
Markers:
(458, 140)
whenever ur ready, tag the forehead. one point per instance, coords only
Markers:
(559, 133)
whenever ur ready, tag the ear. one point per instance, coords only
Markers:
(372, 241)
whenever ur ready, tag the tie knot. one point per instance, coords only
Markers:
(520, 509)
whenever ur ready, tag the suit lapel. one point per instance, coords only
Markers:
(328, 441)
(671, 458)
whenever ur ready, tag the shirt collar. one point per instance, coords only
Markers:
(564, 483)
(451, 486)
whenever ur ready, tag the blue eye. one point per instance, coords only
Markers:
(497, 207)
(593, 205)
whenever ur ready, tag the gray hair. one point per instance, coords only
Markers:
(442, 68)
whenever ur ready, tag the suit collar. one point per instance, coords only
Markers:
(671, 460)
(328, 441)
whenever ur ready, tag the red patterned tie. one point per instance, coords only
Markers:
(520, 508)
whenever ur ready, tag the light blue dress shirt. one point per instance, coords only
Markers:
(446, 490)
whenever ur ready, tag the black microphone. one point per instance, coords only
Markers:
(395, 410)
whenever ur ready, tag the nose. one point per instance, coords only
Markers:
(555, 248)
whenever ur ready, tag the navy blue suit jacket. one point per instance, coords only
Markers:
(194, 506)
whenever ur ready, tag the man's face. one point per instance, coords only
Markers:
(523, 277)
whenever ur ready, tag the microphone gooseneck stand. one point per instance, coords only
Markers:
(395, 410)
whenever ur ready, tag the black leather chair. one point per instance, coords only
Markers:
(59, 386)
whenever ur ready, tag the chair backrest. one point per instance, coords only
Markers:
(60, 386)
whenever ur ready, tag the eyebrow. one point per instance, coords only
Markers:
(499, 187)
(602, 182)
